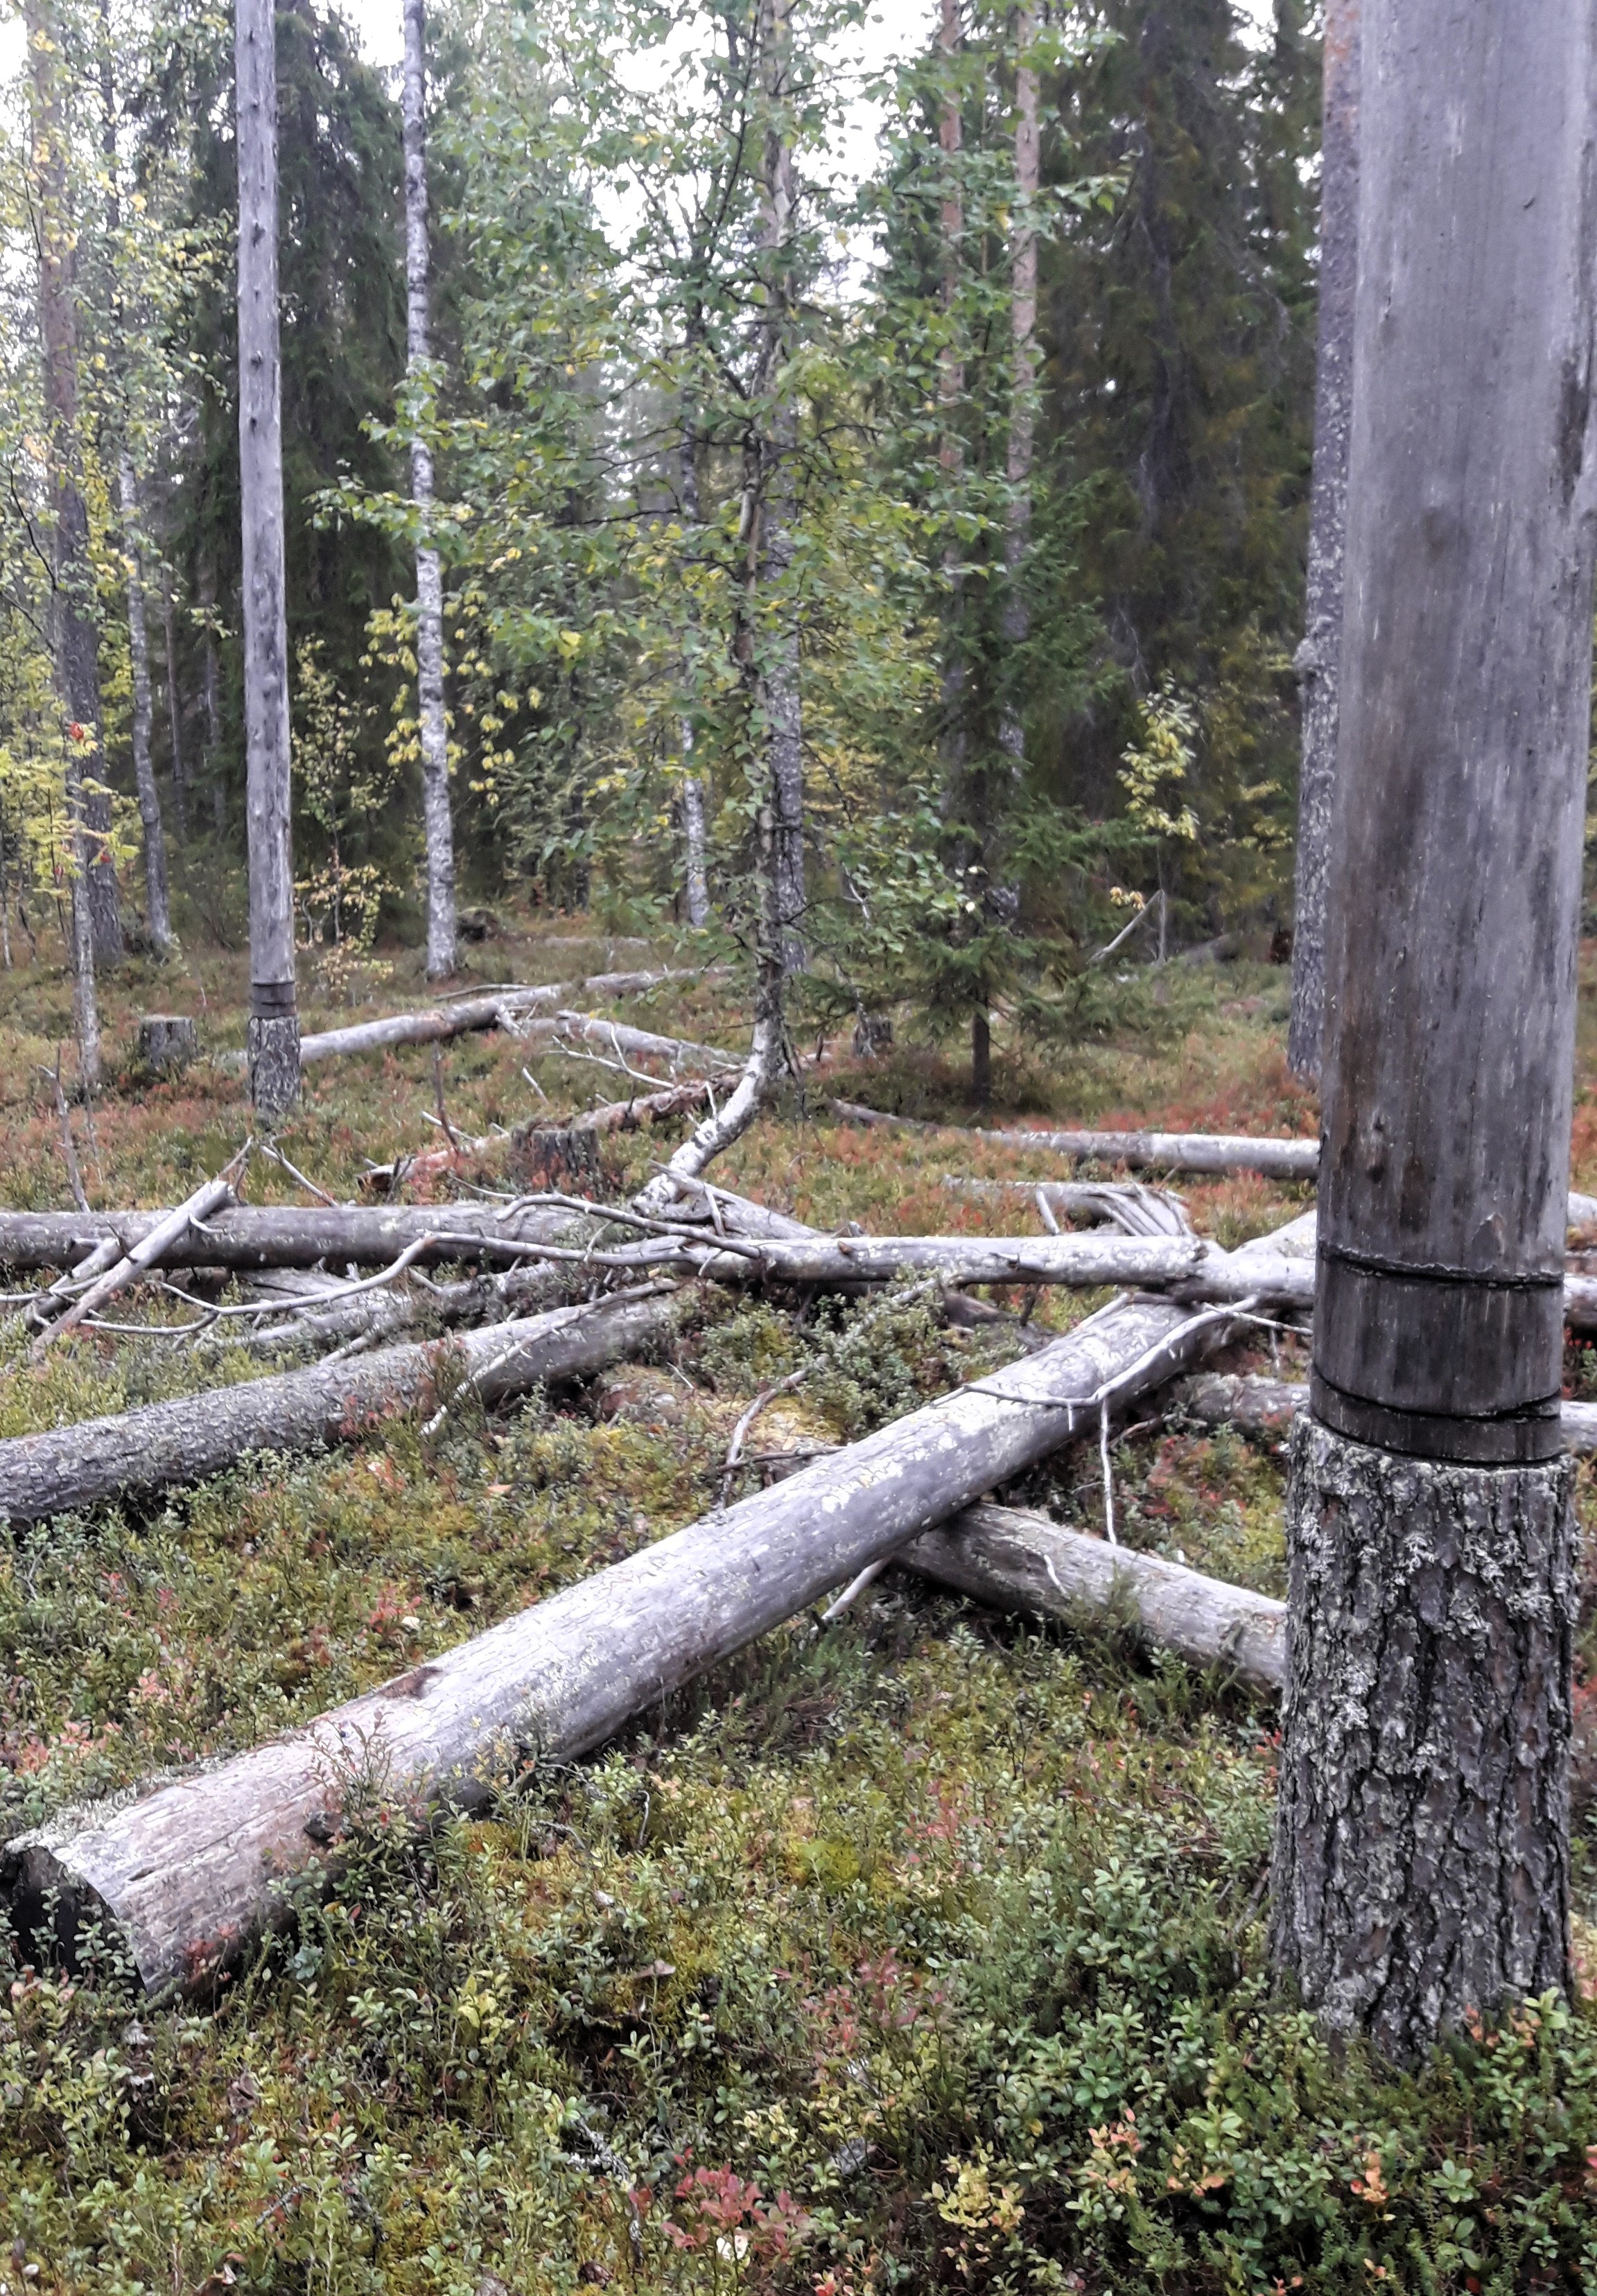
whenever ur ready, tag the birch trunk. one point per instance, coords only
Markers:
(73, 643)
(429, 584)
(1319, 657)
(180, 788)
(143, 718)
(776, 630)
(274, 1018)
(1421, 1853)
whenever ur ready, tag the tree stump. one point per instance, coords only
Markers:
(561, 1157)
(168, 1042)
(1422, 1841)
(273, 1043)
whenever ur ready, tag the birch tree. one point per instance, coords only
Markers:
(429, 586)
(274, 1018)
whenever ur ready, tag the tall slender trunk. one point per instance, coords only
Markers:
(274, 1019)
(1016, 621)
(777, 621)
(429, 584)
(127, 494)
(1319, 657)
(696, 883)
(143, 717)
(180, 788)
(210, 689)
(1422, 1826)
(74, 649)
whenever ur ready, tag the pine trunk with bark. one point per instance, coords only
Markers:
(441, 955)
(274, 1018)
(73, 636)
(1421, 1850)
(180, 787)
(1319, 657)
(210, 689)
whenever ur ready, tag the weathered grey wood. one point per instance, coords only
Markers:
(1268, 1406)
(460, 1017)
(1168, 1151)
(193, 1872)
(273, 1235)
(1198, 1270)
(1319, 657)
(1019, 1561)
(436, 822)
(173, 1226)
(1465, 682)
(274, 1021)
(1125, 1204)
(163, 1444)
(774, 625)
(616, 1037)
(168, 1042)
(1421, 1865)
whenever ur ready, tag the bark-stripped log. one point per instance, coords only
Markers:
(616, 1036)
(1018, 1560)
(1199, 1270)
(461, 1017)
(164, 1444)
(193, 1872)
(1164, 1151)
(274, 1236)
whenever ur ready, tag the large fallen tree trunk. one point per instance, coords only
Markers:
(615, 1036)
(192, 1871)
(1165, 1151)
(1268, 1406)
(1198, 1270)
(461, 1017)
(290, 1235)
(1018, 1560)
(181, 1441)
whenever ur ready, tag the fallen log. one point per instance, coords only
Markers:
(189, 1874)
(1267, 1406)
(1167, 1151)
(164, 1444)
(176, 1227)
(1018, 1560)
(616, 1036)
(463, 1015)
(288, 1236)
(1198, 1270)
(1125, 1204)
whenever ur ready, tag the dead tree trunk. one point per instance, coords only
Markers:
(776, 612)
(73, 643)
(695, 877)
(1421, 1849)
(210, 688)
(193, 1872)
(429, 581)
(274, 1015)
(1319, 657)
(143, 718)
(183, 1442)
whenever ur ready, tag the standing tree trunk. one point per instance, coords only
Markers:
(274, 1019)
(697, 882)
(1319, 657)
(74, 646)
(210, 688)
(180, 788)
(430, 580)
(1022, 414)
(776, 621)
(144, 716)
(1423, 1847)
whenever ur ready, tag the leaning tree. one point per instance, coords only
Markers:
(1422, 1849)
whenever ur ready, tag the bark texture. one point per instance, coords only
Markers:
(180, 787)
(1016, 619)
(695, 874)
(273, 1025)
(1455, 891)
(270, 1236)
(1268, 1406)
(1319, 657)
(164, 1444)
(143, 717)
(193, 1872)
(1422, 1861)
(776, 635)
(429, 585)
(73, 643)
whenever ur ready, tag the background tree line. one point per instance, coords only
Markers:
(1015, 618)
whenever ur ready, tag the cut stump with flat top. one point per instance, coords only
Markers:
(1422, 1861)
(167, 1043)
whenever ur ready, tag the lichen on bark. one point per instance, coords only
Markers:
(1422, 1863)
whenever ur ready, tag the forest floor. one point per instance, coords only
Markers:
(928, 1950)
